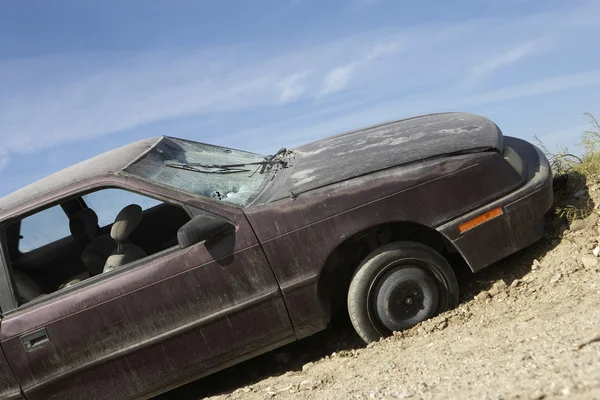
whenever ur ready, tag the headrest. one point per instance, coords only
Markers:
(127, 220)
(83, 224)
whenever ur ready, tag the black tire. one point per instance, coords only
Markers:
(397, 286)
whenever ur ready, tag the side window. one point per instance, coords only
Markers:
(160, 221)
(90, 251)
(108, 202)
(43, 228)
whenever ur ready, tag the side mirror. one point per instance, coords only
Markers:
(201, 228)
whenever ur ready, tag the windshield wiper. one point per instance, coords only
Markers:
(266, 164)
(209, 169)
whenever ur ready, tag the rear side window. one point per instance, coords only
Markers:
(43, 228)
(108, 202)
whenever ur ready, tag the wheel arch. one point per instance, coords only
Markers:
(342, 262)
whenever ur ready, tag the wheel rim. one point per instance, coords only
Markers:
(402, 295)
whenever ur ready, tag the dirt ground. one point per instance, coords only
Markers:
(527, 327)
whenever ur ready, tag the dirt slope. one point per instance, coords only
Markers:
(527, 328)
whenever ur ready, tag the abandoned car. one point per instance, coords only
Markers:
(165, 260)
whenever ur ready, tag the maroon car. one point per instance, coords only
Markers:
(165, 260)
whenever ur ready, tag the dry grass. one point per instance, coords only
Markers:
(576, 172)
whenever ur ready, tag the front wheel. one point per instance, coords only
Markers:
(397, 286)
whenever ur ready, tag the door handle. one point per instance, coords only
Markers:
(35, 339)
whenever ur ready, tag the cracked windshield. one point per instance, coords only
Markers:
(229, 175)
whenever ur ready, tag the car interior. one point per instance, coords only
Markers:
(98, 233)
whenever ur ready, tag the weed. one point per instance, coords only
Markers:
(576, 173)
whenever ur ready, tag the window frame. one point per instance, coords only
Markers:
(9, 302)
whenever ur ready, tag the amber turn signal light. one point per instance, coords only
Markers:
(480, 219)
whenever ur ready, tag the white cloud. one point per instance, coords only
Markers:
(534, 88)
(337, 79)
(382, 50)
(291, 88)
(504, 59)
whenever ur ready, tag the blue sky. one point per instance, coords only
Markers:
(81, 77)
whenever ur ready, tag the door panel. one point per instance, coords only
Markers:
(171, 317)
(9, 388)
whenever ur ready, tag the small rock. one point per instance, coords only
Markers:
(306, 384)
(589, 262)
(596, 251)
(443, 325)
(593, 219)
(398, 333)
(307, 366)
(371, 345)
(515, 283)
(525, 357)
(538, 396)
(580, 194)
(497, 288)
(501, 296)
(577, 225)
(556, 278)
(429, 328)
(404, 395)
(536, 264)
(483, 296)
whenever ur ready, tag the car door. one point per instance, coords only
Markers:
(9, 387)
(160, 321)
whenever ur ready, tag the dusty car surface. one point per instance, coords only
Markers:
(165, 260)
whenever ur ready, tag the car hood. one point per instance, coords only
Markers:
(352, 154)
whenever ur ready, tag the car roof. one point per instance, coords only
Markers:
(105, 164)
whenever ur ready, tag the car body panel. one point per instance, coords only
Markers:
(9, 387)
(340, 211)
(521, 222)
(352, 154)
